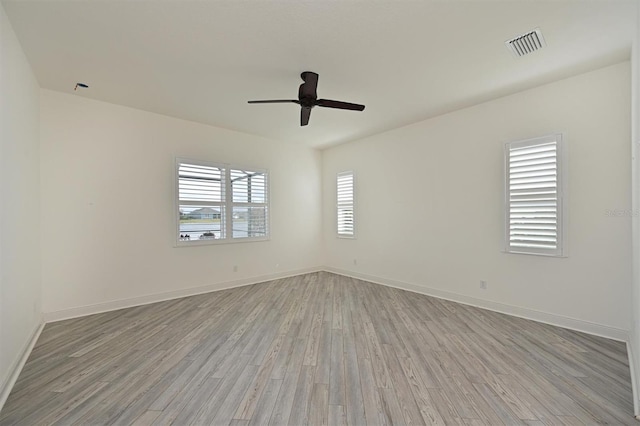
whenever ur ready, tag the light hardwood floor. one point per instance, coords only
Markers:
(318, 349)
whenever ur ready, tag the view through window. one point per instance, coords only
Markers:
(218, 203)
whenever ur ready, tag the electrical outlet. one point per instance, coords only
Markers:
(483, 285)
(355, 261)
(235, 268)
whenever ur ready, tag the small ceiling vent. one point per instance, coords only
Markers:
(526, 43)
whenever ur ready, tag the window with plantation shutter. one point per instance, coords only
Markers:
(220, 203)
(345, 205)
(534, 216)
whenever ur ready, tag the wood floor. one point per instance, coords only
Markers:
(318, 349)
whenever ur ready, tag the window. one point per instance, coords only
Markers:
(345, 195)
(221, 203)
(534, 196)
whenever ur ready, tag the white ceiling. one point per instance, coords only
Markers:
(405, 60)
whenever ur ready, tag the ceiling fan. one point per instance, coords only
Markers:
(308, 98)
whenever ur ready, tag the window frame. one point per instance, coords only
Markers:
(226, 205)
(351, 236)
(561, 249)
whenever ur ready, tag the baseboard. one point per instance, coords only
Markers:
(535, 315)
(634, 381)
(18, 364)
(527, 313)
(517, 311)
(114, 305)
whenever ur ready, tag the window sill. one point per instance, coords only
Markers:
(562, 256)
(215, 242)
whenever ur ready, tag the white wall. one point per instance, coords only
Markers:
(634, 300)
(108, 182)
(20, 291)
(430, 205)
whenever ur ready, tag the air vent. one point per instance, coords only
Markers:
(526, 43)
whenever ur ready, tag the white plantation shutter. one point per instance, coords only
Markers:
(201, 184)
(345, 204)
(534, 196)
(249, 198)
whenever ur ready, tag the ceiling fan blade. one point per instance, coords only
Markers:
(305, 113)
(276, 101)
(328, 103)
(308, 88)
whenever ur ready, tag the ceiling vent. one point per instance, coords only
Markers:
(526, 43)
